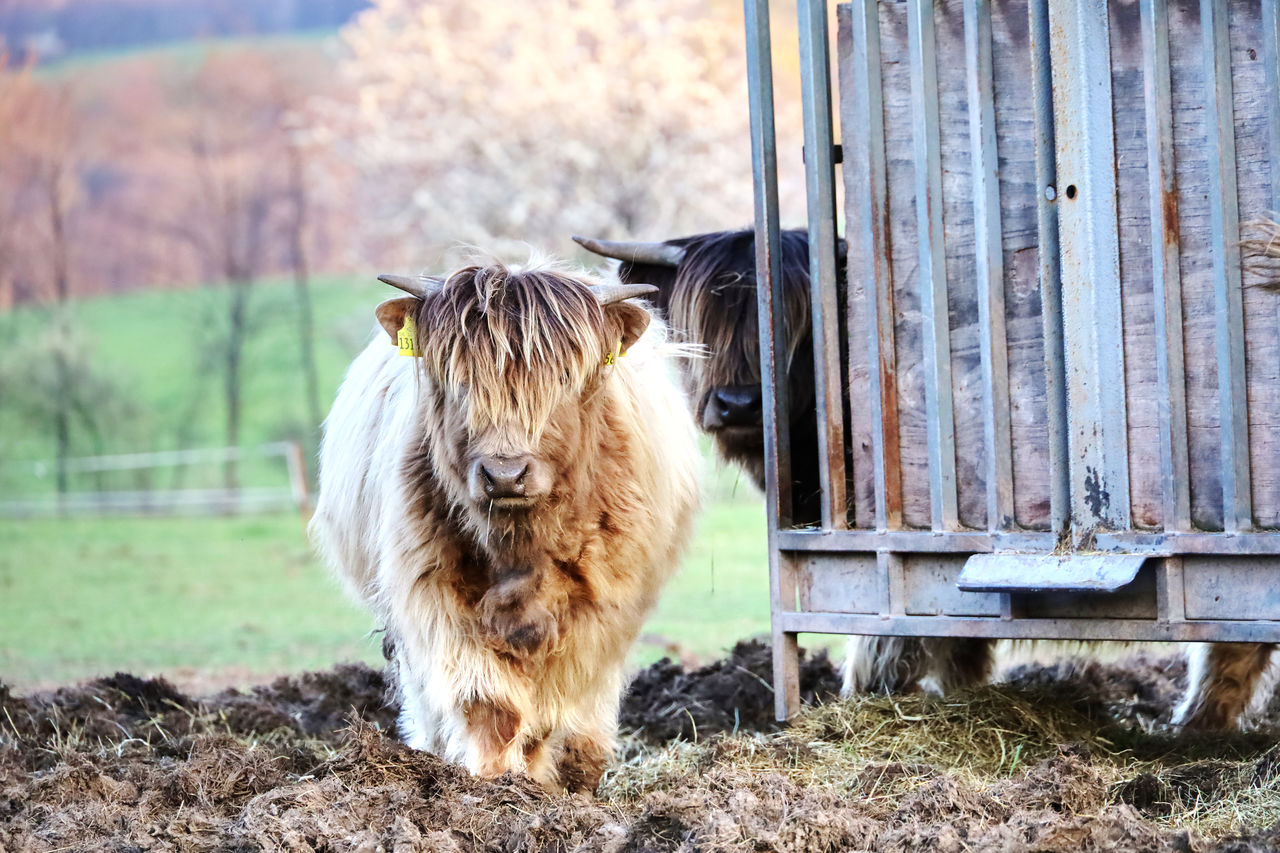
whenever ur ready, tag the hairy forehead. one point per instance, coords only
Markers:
(515, 341)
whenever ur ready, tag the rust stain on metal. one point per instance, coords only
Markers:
(1169, 209)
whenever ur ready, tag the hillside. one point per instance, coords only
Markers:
(53, 31)
(156, 349)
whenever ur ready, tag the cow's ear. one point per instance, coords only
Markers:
(628, 321)
(391, 314)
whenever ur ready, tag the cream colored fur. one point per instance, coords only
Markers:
(405, 562)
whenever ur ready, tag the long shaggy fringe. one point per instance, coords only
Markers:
(713, 302)
(517, 340)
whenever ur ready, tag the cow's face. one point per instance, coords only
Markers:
(514, 362)
(707, 286)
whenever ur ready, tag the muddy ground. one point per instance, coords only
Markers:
(1057, 758)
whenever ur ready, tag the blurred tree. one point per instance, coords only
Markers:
(40, 160)
(226, 148)
(504, 124)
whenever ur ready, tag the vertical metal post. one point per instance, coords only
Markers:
(1224, 222)
(1089, 245)
(868, 157)
(1047, 197)
(764, 163)
(1166, 277)
(1271, 60)
(939, 411)
(819, 167)
(989, 258)
(1271, 108)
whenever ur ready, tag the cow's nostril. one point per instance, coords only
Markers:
(505, 477)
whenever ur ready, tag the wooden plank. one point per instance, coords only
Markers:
(1255, 107)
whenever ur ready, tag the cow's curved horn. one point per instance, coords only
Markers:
(607, 294)
(659, 254)
(419, 286)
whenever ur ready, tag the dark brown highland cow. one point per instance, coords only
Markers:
(707, 289)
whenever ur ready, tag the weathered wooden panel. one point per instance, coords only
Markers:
(1011, 60)
(840, 583)
(1136, 294)
(1136, 600)
(931, 588)
(904, 262)
(1254, 106)
(1229, 588)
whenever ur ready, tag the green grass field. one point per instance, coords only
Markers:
(225, 600)
(228, 599)
(154, 346)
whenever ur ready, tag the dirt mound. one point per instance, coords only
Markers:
(1140, 690)
(1054, 759)
(733, 695)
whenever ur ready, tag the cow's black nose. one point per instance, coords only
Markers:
(732, 406)
(504, 476)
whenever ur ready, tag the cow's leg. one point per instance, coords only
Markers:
(495, 745)
(581, 761)
(1222, 679)
(905, 664)
(421, 723)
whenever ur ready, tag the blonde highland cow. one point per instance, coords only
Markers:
(509, 504)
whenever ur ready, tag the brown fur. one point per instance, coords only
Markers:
(1222, 681)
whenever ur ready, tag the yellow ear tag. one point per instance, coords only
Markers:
(611, 357)
(407, 338)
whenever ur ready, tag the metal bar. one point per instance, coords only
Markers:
(1166, 277)
(994, 627)
(925, 542)
(1239, 544)
(1224, 220)
(768, 249)
(819, 167)
(1050, 273)
(1271, 107)
(914, 541)
(1271, 61)
(877, 274)
(768, 246)
(161, 458)
(939, 412)
(1089, 251)
(989, 258)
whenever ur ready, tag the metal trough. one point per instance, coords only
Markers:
(1065, 389)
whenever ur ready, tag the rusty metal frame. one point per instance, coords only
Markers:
(906, 578)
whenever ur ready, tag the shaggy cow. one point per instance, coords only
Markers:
(707, 288)
(706, 284)
(509, 505)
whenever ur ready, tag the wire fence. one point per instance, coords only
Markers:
(267, 478)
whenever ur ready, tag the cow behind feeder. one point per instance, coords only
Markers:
(707, 289)
(509, 505)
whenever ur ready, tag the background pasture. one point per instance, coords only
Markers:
(194, 200)
(226, 600)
